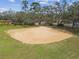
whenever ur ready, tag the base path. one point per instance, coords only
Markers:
(38, 35)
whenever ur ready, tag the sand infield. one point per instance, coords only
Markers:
(38, 35)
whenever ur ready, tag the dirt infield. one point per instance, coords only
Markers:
(38, 35)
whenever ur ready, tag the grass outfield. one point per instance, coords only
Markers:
(12, 49)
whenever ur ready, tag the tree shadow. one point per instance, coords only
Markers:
(70, 30)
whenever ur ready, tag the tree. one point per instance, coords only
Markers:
(74, 12)
(57, 10)
(63, 11)
(24, 5)
(35, 6)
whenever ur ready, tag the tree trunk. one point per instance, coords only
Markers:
(60, 23)
(73, 24)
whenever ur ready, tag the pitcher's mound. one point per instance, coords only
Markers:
(38, 35)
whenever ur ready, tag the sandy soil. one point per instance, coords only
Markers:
(38, 35)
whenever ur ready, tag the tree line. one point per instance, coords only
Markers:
(58, 12)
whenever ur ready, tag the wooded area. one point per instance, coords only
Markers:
(59, 13)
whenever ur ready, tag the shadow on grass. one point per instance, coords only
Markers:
(71, 30)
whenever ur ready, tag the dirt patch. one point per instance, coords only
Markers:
(38, 35)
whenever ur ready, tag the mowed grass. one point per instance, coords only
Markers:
(12, 49)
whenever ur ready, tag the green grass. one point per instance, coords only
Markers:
(12, 49)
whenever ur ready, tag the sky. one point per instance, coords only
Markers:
(16, 4)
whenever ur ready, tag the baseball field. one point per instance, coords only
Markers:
(18, 42)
